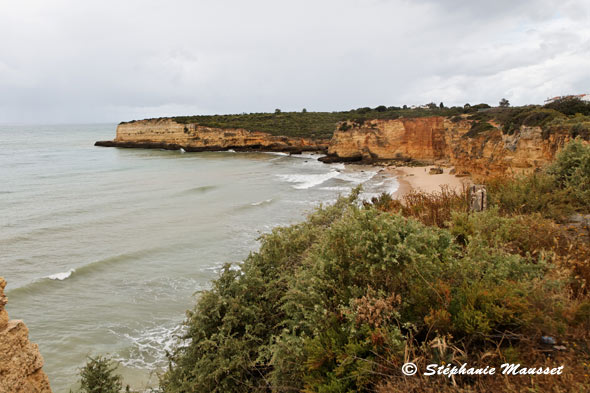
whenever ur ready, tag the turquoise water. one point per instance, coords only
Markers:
(104, 249)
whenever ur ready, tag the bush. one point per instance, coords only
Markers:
(98, 376)
(570, 106)
(580, 130)
(477, 128)
(571, 170)
(525, 194)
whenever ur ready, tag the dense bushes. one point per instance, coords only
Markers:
(340, 301)
(570, 106)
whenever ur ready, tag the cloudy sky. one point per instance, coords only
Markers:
(113, 60)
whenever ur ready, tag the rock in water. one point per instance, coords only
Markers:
(20, 361)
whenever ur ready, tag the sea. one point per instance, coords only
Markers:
(105, 249)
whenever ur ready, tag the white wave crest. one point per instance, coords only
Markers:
(61, 276)
(357, 177)
(307, 181)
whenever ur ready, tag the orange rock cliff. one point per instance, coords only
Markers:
(20, 361)
(440, 140)
(168, 134)
(432, 139)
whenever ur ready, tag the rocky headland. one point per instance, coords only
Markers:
(439, 140)
(21, 363)
(168, 134)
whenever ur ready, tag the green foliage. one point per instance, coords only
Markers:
(320, 125)
(504, 103)
(571, 170)
(98, 376)
(570, 106)
(477, 128)
(332, 304)
(556, 193)
(537, 193)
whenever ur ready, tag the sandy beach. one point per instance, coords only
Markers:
(420, 179)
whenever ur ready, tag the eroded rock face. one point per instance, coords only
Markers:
(436, 139)
(168, 134)
(420, 139)
(20, 361)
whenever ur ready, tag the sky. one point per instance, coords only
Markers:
(72, 61)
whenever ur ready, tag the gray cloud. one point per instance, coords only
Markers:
(68, 61)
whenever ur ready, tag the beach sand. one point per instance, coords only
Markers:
(419, 179)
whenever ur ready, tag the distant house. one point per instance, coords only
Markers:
(583, 97)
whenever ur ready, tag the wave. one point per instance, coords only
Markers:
(304, 182)
(266, 201)
(148, 347)
(61, 276)
(338, 165)
(392, 189)
(336, 188)
(90, 268)
(357, 177)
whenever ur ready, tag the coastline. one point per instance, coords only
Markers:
(419, 179)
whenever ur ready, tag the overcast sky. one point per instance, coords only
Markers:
(113, 60)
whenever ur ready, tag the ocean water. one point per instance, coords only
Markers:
(105, 249)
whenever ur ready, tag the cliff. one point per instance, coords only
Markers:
(439, 140)
(433, 139)
(20, 361)
(168, 134)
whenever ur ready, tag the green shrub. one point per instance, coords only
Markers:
(570, 106)
(98, 376)
(571, 170)
(477, 128)
(525, 194)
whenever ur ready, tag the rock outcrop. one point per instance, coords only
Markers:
(440, 140)
(168, 134)
(20, 361)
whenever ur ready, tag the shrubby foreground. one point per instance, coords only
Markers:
(339, 302)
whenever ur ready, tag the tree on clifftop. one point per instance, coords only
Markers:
(504, 103)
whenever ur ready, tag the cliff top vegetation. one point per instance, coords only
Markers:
(321, 125)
